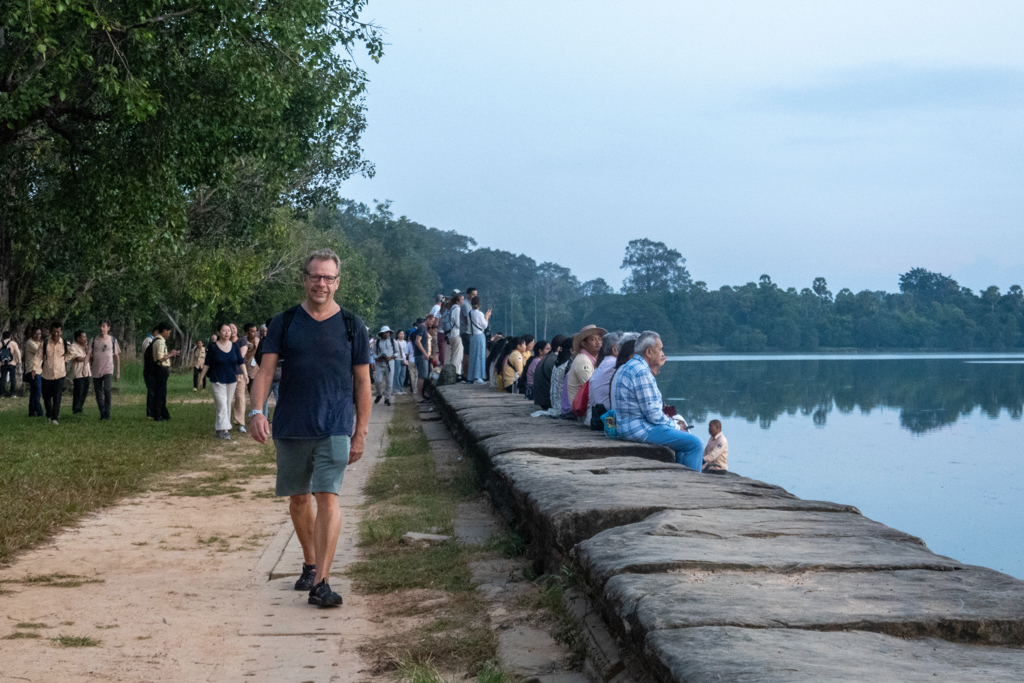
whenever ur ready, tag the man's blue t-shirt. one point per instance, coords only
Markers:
(315, 394)
(421, 332)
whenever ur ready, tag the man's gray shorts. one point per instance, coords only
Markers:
(423, 366)
(311, 465)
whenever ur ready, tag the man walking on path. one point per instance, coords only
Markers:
(386, 353)
(105, 359)
(33, 347)
(10, 357)
(51, 364)
(321, 423)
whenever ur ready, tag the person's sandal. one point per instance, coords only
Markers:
(308, 578)
(323, 596)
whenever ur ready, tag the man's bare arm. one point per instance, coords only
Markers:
(363, 400)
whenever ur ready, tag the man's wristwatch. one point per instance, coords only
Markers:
(255, 411)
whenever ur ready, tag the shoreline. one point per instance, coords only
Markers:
(703, 578)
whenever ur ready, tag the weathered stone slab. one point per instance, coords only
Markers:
(754, 540)
(481, 427)
(582, 445)
(740, 655)
(971, 605)
(568, 501)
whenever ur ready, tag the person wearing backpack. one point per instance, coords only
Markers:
(51, 364)
(105, 360)
(148, 369)
(321, 423)
(80, 372)
(158, 358)
(453, 334)
(10, 357)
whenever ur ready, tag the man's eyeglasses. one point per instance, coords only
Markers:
(326, 279)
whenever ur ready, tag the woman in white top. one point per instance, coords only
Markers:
(477, 343)
(402, 362)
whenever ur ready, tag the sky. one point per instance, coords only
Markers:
(851, 141)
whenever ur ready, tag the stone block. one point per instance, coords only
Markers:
(783, 541)
(564, 501)
(582, 445)
(740, 655)
(974, 604)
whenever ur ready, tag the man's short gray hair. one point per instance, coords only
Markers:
(610, 341)
(322, 255)
(646, 340)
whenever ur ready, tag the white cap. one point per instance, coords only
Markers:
(383, 330)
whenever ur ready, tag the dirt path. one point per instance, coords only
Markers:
(175, 588)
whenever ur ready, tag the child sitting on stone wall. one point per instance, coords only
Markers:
(716, 453)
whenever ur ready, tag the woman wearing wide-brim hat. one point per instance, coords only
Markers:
(586, 344)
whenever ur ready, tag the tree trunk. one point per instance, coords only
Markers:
(128, 338)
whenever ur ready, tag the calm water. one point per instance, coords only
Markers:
(928, 444)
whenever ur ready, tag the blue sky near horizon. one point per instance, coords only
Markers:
(796, 139)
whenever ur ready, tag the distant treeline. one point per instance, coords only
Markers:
(931, 311)
(394, 267)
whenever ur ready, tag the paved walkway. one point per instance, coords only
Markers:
(188, 589)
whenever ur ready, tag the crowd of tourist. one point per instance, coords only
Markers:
(605, 380)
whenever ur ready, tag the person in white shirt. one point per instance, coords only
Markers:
(436, 310)
(386, 352)
(401, 363)
(716, 453)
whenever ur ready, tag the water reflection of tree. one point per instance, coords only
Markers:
(929, 393)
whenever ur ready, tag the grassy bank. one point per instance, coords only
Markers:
(405, 494)
(51, 475)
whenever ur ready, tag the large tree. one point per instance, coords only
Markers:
(119, 121)
(654, 268)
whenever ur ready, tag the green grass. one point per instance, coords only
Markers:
(51, 475)
(18, 635)
(76, 641)
(405, 495)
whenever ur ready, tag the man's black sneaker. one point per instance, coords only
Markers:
(323, 596)
(377, 400)
(308, 578)
(387, 401)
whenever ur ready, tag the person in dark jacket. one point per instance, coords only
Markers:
(542, 375)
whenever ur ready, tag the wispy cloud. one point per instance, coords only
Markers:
(891, 87)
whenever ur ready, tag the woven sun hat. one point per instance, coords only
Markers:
(588, 330)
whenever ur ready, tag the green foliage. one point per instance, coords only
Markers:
(152, 144)
(654, 268)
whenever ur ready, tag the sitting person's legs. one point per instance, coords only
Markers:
(688, 447)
